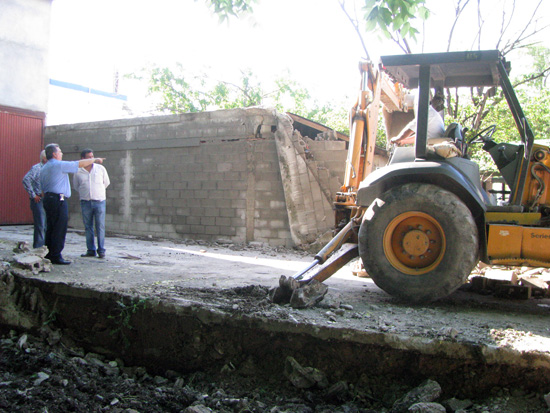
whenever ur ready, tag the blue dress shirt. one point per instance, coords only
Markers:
(54, 176)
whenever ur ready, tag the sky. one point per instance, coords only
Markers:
(312, 40)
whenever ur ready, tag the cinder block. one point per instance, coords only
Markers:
(212, 230)
(200, 194)
(263, 186)
(277, 224)
(152, 219)
(208, 221)
(165, 202)
(182, 212)
(224, 184)
(224, 167)
(165, 219)
(277, 204)
(238, 203)
(193, 220)
(180, 202)
(172, 194)
(215, 195)
(140, 226)
(228, 212)
(227, 230)
(182, 229)
(208, 185)
(211, 212)
(238, 222)
(197, 229)
(223, 221)
(179, 220)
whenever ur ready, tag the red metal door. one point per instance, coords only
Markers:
(21, 140)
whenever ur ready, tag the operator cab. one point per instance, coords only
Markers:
(462, 69)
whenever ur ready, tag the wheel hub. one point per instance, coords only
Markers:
(414, 243)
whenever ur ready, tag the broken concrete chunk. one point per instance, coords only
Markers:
(454, 404)
(339, 391)
(22, 342)
(427, 408)
(34, 263)
(304, 377)
(22, 246)
(427, 392)
(308, 295)
(198, 408)
(537, 285)
(513, 291)
(41, 377)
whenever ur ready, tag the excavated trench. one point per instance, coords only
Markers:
(192, 330)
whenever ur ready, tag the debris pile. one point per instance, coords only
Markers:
(42, 374)
(518, 283)
(32, 259)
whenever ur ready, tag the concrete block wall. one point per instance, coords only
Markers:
(330, 158)
(307, 185)
(209, 176)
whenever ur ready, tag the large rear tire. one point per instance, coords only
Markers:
(418, 242)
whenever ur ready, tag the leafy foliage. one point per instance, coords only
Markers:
(291, 97)
(178, 91)
(226, 8)
(534, 97)
(395, 19)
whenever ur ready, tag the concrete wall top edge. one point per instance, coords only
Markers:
(183, 117)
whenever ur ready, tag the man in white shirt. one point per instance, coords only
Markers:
(436, 128)
(91, 182)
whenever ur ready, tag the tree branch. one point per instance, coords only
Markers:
(534, 76)
(355, 26)
(522, 36)
(504, 27)
(458, 12)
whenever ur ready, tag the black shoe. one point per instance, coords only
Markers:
(88, 254)
(100, 255)
(61, 261)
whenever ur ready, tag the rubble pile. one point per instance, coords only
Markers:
(46, 374)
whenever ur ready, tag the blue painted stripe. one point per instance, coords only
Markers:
(85, 89)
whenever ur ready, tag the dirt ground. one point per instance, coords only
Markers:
(171, 270)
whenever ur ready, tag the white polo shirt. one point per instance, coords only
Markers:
(91, 185)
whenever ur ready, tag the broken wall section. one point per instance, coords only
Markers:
(212, 176)
(309, 187)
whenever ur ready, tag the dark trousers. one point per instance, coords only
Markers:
(57, 219)
(39, 217)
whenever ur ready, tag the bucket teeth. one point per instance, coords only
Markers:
(299, 296)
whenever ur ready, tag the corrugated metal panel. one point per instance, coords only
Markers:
(21, 140)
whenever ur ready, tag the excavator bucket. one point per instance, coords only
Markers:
(306, 288)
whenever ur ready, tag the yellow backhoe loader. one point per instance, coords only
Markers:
(421, 223)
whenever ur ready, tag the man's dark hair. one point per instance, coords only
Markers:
(50, 150)
(85, 152)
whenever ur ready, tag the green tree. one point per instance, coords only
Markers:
(533, 95)
(178, 91)
(395, 19)
(226, 8)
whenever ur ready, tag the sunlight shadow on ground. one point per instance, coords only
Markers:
(266, 262)
(281, 264)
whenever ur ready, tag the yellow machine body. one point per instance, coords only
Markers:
(518, 245)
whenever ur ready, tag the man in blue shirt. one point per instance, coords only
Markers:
(54, 179)
(31, 183)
